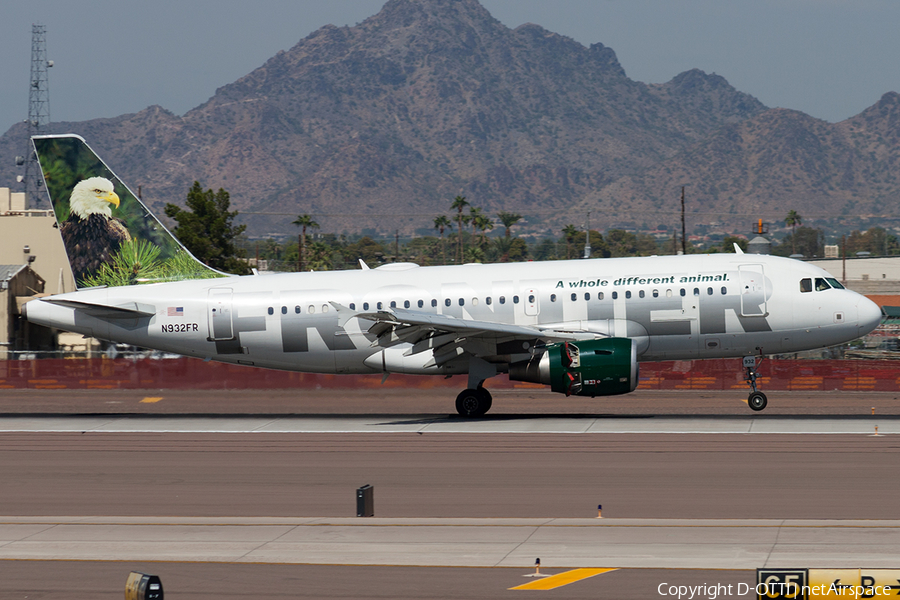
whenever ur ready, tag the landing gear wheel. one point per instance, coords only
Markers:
(757, 401)
(473, 402)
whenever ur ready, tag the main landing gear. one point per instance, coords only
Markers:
(473, 402)
(756, 400)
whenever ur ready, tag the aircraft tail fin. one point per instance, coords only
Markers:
(111, 237)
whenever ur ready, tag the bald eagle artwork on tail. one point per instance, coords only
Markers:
(90, 234)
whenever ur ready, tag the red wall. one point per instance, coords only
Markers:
(191, 373)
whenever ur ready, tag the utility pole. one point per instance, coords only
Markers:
(38, 113)
(587, 237)
(683, 236)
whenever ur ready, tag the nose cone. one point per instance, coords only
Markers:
(869, 315)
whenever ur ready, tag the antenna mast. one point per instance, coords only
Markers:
(38, 112)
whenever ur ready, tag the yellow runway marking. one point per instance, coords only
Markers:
(561, 579)
(150, 400)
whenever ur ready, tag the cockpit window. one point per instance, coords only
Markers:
(806, 285)
(822, 285)
(834, 283)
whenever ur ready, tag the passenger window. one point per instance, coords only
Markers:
(834, 283)
(271, 311)
(312, 309)
(806, 285)
(683, 292)
(587, 295)
(446, 301)
(641, 293)
(352, 306)
(406, 304)
(709, 292)
(668, 293)
(615, 295)
(393, 304)
(284, 310)
(574, 297)
(515, 299)
(600, 296)
(378, 306)
(434, 303)
(324, 308)
(474, 301)
(552, 297)
(656, 293)
(462, 302)
(365, 306)
(822, 285)
(724, 290)
(502, 299)
(628, 294)
(488, 301)
(696, 291)
(297, 309)
(530, 298)
(421, 303)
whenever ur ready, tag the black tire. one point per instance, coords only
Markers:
(473, 403)
(757, 401)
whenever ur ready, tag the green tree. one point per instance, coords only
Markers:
(508, 219)
(207, 228)
(459, 203)
(569, 232)
(729, 242)
(805, 240)
(441, 222)
(304, 222)
(483, 223)
(792, 220)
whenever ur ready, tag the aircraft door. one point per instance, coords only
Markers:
(753, 291)
(219, 314)
(532, 302)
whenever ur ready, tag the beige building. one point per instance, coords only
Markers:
(879, 275)
(30, 238)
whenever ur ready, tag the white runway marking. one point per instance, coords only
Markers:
(430, 424)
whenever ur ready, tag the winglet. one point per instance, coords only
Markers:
(737, 249)
(363, 265)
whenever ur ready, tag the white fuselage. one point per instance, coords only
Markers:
(675, 307)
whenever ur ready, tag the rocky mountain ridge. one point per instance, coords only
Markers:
(380, 125)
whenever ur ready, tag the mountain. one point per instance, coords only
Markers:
(380, 125)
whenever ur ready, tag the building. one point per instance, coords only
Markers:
(18, 285)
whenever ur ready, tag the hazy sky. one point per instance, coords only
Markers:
(828, 58)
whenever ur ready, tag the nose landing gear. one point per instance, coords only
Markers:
(756, 400)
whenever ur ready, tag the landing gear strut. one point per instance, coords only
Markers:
(756, 400)
(473, 402)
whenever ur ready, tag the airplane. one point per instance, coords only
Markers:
(580, 326)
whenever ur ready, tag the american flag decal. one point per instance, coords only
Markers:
(175, 311)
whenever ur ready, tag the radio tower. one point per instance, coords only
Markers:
(38, 112)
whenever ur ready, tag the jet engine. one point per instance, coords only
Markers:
(600, 367)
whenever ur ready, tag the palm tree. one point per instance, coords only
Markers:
(792, 220)
(459, 203)
(483, 223)
(474, 215)
(303, 221)
(508, 219)
(569, 231)
(441, 222)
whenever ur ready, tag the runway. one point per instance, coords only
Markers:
(568, 543)
(491, 424)
(463, 507)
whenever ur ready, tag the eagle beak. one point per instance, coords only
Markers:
(112, 198)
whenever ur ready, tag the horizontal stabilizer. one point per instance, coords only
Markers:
(130, 310)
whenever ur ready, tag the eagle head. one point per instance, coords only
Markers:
(93, 196)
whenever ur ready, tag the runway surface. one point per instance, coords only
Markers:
(570, 543)
(184, 477)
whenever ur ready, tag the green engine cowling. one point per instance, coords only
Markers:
(603, 367)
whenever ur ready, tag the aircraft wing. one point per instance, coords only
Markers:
(447, 336)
